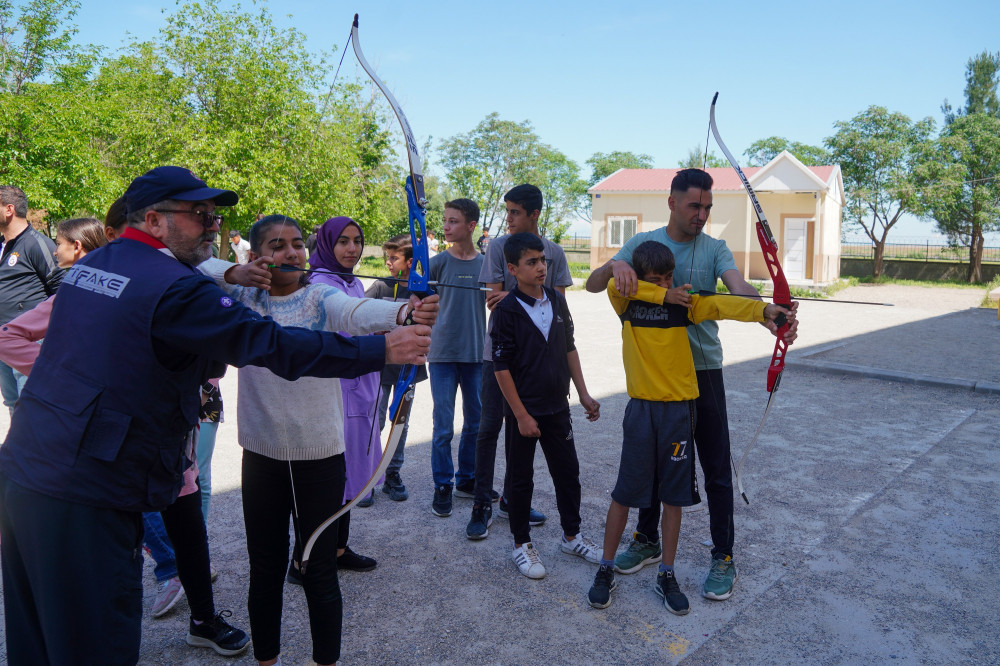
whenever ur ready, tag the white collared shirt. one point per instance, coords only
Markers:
(540, 312)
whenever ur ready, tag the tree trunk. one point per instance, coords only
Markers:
(879, 254)
(976, 256)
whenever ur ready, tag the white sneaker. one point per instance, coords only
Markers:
(528, 561)
(581, 547)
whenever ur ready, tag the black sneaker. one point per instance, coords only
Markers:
(479, 526)
(351, 561)
(219, 635)
(294, 576)
(467, 490)
(535, 518)
(441, 506)
(394, 488)
(604, 584)
(668, 590)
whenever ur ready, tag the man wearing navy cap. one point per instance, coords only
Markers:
(94, 441)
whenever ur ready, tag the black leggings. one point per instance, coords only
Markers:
(185, 525)
(267, 506)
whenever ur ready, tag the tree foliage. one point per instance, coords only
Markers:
(697, 158)
(486, 162)
(603, 165)
(764, 150)
(879, 153)
(982, 80)
(223, 92)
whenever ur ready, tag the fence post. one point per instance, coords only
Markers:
(927, 254)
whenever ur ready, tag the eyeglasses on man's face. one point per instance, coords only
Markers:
(208, 217)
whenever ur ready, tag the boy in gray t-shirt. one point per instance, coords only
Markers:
(455, 356)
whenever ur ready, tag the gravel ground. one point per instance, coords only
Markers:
(871, 530)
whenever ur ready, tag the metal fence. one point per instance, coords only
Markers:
(575, 242)
(917, 252)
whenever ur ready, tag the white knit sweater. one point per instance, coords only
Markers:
(301, 419)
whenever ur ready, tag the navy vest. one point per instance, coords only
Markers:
(101, 421)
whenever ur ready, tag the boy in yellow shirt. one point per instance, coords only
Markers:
(659, 419)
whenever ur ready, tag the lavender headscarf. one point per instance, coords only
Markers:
(326, 240)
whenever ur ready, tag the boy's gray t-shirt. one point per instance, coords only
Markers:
(495, 270)
(460, 329)
(711, 258)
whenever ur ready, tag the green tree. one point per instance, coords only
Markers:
(982, 79)
(961, 185)
(764, 150)
(486, 162)
(879, 153)
(697, 158)
(559, 179)
(603, 165)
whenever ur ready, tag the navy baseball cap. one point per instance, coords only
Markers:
(171, 182)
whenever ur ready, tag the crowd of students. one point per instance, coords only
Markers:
(317, 373)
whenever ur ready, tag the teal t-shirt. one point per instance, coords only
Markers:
(711, 258)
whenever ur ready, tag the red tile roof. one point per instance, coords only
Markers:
(658, 180)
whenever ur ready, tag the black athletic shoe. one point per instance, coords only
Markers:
(351, 561)
(441, 506)
(219, 635)
(668, 590)
(467, 490)
(394, 488)
(604, 584)
(479, 525)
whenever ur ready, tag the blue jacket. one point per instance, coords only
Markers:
(106, 411)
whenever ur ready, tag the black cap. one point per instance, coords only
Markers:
(171, 182)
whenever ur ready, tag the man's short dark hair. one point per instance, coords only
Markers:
(518, 244)
(688, 178)
(527, 197)
(233, 233)
(650, 257)
(10, 194)
(467, 207)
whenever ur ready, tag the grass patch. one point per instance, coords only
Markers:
(921, 283)
(579, 269)
(372, 266)
(988, 302)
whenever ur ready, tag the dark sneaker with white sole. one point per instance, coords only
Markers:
(219, 635)
(604, 584)
(441, 506)
(479, 525)
(668, 590)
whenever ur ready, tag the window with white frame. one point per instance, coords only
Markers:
(621, 228)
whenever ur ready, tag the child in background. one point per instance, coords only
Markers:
(398, 259)
(657, 446)
(534, 357)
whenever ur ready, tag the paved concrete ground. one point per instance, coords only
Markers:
(872, 533)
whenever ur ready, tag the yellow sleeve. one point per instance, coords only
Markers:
(725, 307)
(647, 292)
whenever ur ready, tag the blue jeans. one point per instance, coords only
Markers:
(11, 383)
(445, 379)
(159, 546)
(396, 463)
(206, 447)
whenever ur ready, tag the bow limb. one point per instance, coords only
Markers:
(780, 293)
(399, 422)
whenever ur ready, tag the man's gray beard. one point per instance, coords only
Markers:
(176, 244)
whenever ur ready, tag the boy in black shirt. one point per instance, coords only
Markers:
(534, 358)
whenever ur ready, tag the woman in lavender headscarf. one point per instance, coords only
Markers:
(339, 242)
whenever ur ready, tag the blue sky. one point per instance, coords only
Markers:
(592, 76)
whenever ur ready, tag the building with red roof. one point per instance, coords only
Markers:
(803, 207)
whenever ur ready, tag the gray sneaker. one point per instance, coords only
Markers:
(394, 488)
(640, 553)
(167, 597)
